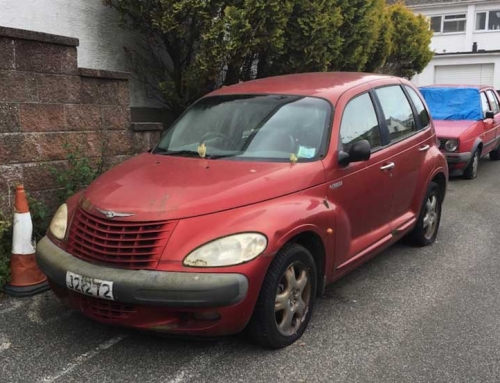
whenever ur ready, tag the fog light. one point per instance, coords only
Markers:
(207, 315)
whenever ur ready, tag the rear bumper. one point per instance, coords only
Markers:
(145, 287)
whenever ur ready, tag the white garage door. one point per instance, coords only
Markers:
(474, 74)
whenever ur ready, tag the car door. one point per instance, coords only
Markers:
(495, 108)
(490, 130)
(410, 136)
(360, 191)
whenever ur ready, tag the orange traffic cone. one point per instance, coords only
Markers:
(26, 279)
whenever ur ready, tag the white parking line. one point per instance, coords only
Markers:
(35, 312)
(4, 342)
(198, 364)
(14, 306)
(84, 357)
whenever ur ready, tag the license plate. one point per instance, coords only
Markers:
(89, 286)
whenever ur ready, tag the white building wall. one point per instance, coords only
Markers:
(427, 76)
(461, 41)
(95, 25)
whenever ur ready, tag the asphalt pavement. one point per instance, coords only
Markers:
(409, 315)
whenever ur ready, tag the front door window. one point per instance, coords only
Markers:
(493, 101)
(359, 122)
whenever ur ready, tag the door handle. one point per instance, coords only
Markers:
(424, 148)
(388, 166)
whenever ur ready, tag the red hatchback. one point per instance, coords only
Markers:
(259, 196)
(467, 121)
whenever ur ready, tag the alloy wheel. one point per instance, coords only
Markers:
(292, 298)
(475, 164)
(431, 217)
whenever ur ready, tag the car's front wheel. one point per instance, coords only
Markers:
(425, 232)
(286, 298)
(470, 171)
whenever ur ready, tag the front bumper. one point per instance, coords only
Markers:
(453, 158)
(457, 162)
(145, 287)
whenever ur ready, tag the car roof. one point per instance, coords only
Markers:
(480, 87)
(329, 85)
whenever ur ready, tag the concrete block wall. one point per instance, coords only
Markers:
(47, 102)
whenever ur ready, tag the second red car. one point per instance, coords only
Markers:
(467, 120)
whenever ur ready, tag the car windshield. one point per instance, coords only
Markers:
(453, 103)
(250, 127)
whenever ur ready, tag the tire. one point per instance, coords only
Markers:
(269, 326)
(495, 154)
(423, 234)
(470, 171)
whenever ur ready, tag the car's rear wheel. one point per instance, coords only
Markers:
(470, 171)
(286, 298)
(425, 232)
(495, 154)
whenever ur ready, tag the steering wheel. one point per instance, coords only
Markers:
(222, 136)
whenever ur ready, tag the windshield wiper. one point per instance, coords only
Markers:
(217, 156)
(191, 153)
(183, 153)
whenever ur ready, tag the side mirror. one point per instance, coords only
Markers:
(489, 114)
(359, 151)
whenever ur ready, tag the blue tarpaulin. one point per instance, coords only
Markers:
(457, 103)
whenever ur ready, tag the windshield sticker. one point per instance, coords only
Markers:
(306, 152)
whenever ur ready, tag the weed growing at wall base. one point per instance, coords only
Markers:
(5, 247)
(79, 172)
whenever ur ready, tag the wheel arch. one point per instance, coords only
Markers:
(478, 144)
(440, 180)
(314, 244)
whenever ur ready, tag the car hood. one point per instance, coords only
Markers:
(452, 129)
(156, 187)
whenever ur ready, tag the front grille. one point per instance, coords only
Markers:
(130, 245)
(441, 144)
(106, 310)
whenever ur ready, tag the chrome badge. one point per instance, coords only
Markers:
(111, 214)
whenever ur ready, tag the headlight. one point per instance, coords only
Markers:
(59, 223)
(228, 251)
(451, 145)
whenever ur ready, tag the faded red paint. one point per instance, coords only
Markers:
(471, 135)
(212, 199)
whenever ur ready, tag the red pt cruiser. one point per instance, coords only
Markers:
(467, 120)
(256, 198)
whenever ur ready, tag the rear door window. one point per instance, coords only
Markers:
(493, 101)
(397, 112)
(359, 122)
(422, 113)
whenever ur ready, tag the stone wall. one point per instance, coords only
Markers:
(47, 102)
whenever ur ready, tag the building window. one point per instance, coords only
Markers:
(454, 23)
(448, 23)
(481, 21)
(488, 21)
(436, 24)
